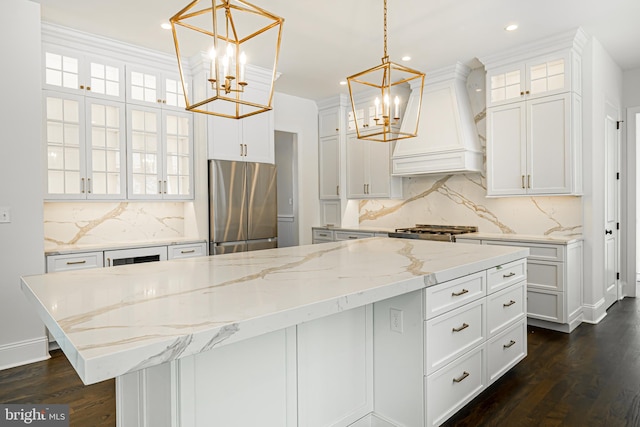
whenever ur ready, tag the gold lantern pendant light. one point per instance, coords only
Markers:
(224, 28)
(389, 83)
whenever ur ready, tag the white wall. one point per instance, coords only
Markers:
(22, 334)
(603, 80)
(300, 116)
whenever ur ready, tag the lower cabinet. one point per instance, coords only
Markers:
(469, 347)
(554, 282)
(322, 234)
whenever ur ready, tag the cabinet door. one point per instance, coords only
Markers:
(258, 138)
(329, 122)
(549, 144)
(143, 87)
(506, 150)
(329, 167)
(225, 139)
(379, 174)
(548, 75)
(356, 165)
(505, 85)
(106, 149)
(178, 155)
(65, 145)
(144, 144)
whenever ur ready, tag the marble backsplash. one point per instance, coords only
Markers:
(89, 223)
(461, 199)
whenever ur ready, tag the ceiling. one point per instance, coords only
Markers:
(325, 41)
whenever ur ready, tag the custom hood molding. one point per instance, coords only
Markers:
(447, 140)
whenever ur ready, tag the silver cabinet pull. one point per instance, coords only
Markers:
(82, 185)
(76, 262)
(108, 262)
(241, 150)
(508, 275)
(159, 187)
(245, 150)
(464, 326)
(165, 187)
(323, 235)
(522, 181)
(89, 185)
(509, 304)
(353, 237)
(190, 251)
(464, 375)
(337, 190)
(512, 342)
(462, 292)
(528, 181)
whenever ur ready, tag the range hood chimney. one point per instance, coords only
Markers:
(447, 140)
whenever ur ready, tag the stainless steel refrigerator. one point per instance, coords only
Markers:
(243, 213)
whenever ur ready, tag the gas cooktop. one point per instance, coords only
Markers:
(445, 233)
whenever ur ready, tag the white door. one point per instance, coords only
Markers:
(612, 197)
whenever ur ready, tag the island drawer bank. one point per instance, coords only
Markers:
(334, 234)
(554, 288)
(333, 334)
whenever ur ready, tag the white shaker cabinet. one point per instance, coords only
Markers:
(329, 167)
(369, 170)
(147, 86)
(534, 119)
(534, 146)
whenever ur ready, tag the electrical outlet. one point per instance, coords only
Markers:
(5, 214)
(396, 320)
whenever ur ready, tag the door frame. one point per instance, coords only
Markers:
(629, 240)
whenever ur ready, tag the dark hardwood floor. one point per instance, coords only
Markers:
(588, 378)
(54, 381)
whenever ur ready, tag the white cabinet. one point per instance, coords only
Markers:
(160, 153)
(85, 147)
(364, 116)
(329, 122)
(329, 167)
(542, 76)
(76, 261)
(187, 250)
(251, 139)
(147, 86)
(554, 282)
(369, 170)
(534, 147)
(534, 120)
(74, 72)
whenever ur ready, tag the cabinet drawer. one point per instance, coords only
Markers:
(545, 305)
(541, 251)
(545, 275)
(74, 261)
(323, 235)
(454, 293)
(505, 275)
(506, 349)
(450, 335)
(505, 307)
(187, 250)
(351, 235)
(455, 385)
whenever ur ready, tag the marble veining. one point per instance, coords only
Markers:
(460, 199)
(110, 321)
(90, 223)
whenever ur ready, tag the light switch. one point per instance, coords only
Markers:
(5, 214)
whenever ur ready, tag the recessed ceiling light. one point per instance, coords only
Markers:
(343, 83)
(165, 26)
(511, 27)
(406, 58)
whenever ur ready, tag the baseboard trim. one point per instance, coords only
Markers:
(372, 420)
(24, 352)
(593, 314)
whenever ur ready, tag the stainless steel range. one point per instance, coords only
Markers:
(444, 233)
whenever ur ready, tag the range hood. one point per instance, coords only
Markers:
(447, 140)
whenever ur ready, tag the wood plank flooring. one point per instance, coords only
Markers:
(588, 378)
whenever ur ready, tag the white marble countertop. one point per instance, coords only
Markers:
(72, 249)
(110, 321)
(531, 238)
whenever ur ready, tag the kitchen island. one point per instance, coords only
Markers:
(330, 334)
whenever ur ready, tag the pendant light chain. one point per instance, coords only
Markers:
(385, 29)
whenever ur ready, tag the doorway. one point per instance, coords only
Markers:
(612, 290)
(286, 149)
